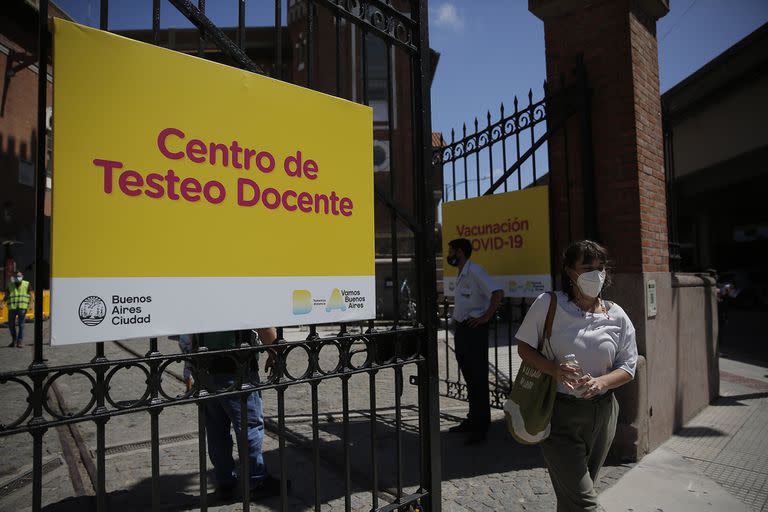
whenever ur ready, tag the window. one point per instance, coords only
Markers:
(376, 49)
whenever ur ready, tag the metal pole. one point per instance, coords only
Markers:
(40, 182)
(40, 178)
(428, 371)
(278, 40)
(201, 42)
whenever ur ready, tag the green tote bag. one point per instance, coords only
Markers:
(528, 409)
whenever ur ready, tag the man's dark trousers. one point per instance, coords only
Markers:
(472, 356)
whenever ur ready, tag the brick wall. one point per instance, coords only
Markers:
(18, 135)
(650, 152)
(619, 51)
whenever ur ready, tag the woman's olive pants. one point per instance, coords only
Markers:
(581, 434)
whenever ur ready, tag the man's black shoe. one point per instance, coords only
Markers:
(13, 344)
(464, 426)
(267, 488)
(475, 438)
(226, 493)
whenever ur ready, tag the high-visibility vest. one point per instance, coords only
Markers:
(18, 295)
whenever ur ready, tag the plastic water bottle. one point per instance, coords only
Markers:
(570, 361)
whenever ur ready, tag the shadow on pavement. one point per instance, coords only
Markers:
(137, 497)
(737, 399)
(699, 432)
(499, 454)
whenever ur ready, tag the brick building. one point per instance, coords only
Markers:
(18, 134)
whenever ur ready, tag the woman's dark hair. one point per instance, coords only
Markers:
(461, 244)
(585, 250)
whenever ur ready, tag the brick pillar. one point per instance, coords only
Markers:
(616, 42)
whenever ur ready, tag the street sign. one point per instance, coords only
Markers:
(190, 196)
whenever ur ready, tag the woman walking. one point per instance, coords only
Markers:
(593, 342)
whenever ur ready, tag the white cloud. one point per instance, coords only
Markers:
(447, 16)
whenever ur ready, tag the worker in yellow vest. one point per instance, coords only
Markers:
(17, 298)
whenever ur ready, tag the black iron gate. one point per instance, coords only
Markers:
(503, 154)
(336, 42)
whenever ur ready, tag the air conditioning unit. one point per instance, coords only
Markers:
(380, 156)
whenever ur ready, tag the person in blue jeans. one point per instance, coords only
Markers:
(17, 298)
(223, 414)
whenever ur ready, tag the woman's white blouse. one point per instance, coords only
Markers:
(601, 342)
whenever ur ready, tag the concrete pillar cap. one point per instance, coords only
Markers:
(551, 8)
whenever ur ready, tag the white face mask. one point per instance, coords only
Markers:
(591, 283)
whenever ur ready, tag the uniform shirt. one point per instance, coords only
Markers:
(601, 342)
(473, 292)
(18, 295)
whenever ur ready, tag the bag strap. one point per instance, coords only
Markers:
(550, 319)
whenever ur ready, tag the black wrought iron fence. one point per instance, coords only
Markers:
(507, 152)
(513, 142)
(503, 360)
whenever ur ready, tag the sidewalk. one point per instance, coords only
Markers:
(717, 462)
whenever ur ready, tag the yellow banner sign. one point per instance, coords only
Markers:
(510, 239)
(189, 196)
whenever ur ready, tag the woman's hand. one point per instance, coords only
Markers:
(566, 375)
(592, 387)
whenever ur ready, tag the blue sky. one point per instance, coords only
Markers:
(491, 50)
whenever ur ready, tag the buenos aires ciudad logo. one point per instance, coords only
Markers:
(92, 310)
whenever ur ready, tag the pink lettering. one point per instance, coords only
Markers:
(345, 206)
(286, 195)
(196, 151)
(242, 184)
(310, 169)
(221, 193)
(172, 180)
(305, 202)
(190, 189)
(107, 165)
(164, 149)
(154, 182)
(275, 202)
(270, 162)
(130, 179)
